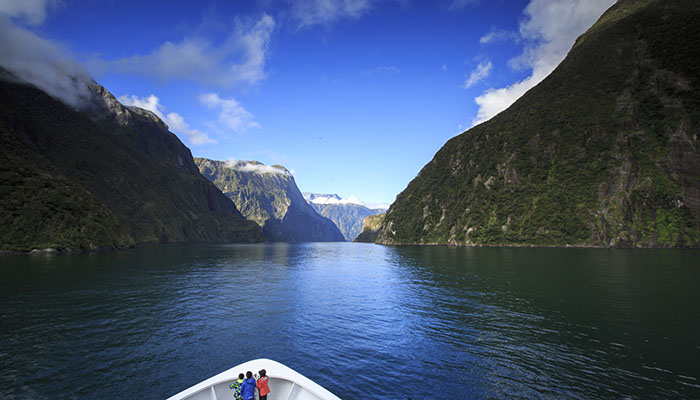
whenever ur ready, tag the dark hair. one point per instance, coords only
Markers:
(262, 372)
(248, 374)
(241, 376)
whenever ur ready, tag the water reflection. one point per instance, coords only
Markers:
(425, 322)
(570, 321)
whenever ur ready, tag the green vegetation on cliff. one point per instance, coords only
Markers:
(603, 152)
(370, 228)
(97, 179)
(269, 196)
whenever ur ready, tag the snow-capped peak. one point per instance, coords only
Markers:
(317, 198)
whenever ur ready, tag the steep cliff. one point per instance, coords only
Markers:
(370, 228)
(269, 196)
(100, 176)
(346, 215)
(603, 152)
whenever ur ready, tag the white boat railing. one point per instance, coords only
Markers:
(284, 383)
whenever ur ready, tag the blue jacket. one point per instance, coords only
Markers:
(248, 389)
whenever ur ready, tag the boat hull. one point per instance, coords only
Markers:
(284, 383)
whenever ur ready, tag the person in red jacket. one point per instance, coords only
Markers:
(261, 384)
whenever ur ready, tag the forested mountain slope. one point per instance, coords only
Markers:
(603, 152)
(103, 176)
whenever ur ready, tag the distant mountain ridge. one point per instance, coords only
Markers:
(603, 152)
(347, 214)
(269, 196)
(102, 176)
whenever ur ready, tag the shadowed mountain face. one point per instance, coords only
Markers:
(348, 217)
(603, 152)
(370, 228)
(105, 176)
(269, 196)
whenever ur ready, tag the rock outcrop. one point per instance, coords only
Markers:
(370, 228)
(269, 196)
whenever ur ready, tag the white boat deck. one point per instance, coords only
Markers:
(284, 382)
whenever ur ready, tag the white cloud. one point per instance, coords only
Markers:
(232, 115)
(175, 121)
(247, 166)
(549, 30)
(498, 35)
(240, 58)
(331, 199)
(32, 12)
(150, 103)
(482, 71)
(323, 12)
(178, 125)
(43, 63)
(444, 67)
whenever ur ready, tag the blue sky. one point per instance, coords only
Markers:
(353, 96)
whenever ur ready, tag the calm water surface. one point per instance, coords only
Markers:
(365, 321)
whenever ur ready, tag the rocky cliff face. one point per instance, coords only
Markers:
(603, 152)
(370, 228)
(101, 176)
(347, 216)
(269, 196)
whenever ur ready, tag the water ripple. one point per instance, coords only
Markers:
(365, 321)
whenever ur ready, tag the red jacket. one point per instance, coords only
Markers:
(262, 386)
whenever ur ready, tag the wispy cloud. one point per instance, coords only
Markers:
(308, 13)
(232, 116)
(175, 121)
(549, 29)
(499, 35)
(481, 71)
(240, 58)
(43, 63)
(255, 167)
(33, 12)
(332, 199)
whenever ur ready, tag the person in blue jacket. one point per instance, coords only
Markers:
(248, 387)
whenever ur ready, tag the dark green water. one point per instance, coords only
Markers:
(364, 321)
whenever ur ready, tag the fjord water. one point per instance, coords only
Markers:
(365, 321)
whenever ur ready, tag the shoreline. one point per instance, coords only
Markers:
(50, 251)
(541, 246)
